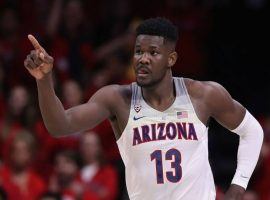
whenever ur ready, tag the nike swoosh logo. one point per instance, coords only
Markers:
(136, 118)
(243, 176)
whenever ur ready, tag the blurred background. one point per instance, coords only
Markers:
(92, 43)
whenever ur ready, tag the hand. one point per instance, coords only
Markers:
(235, 192)
(38, 62)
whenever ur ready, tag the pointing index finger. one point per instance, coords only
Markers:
(34, 42)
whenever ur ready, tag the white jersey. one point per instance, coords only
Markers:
(166, 153)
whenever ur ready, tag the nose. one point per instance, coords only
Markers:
(145, 59)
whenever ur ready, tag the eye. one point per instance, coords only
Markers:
(154, 53)
(138, 52)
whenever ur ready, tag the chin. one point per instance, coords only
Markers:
(144, 83)
(141, 82)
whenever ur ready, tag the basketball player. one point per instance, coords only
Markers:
(159, 121)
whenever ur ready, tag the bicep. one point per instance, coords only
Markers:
(223, 108)
(89, 114)
(230, 118)
(86, 116)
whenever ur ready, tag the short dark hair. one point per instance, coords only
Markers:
(158, 27)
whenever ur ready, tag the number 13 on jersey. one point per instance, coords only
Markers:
(174, 157)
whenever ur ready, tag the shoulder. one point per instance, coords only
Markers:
(217, 102)
(205, 89)
(212, 94)
(112, 96)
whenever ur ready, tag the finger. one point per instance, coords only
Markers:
(34, 42)
(29, 63)
(34, 56)
(46, 57)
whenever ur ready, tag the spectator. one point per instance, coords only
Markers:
(72, 93)
(13, 48)
(19, 115)
(97, 176)
(261, 181)
(17, 178)
(70, 42)
(66, 180)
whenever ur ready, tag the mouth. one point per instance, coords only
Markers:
(142, 72)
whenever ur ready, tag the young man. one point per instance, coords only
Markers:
(159, 121)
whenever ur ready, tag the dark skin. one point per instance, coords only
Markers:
(153, 59)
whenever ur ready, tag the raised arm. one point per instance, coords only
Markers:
(236, 118)
(59, 121)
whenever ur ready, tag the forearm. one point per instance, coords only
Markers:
(251, 138)
(52, 110)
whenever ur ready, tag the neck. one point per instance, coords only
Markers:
(19, 170)
(161, 95)
(91, 162)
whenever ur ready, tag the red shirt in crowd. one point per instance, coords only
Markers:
(104, 183)
(32, 190)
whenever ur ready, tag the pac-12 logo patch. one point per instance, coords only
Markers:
(137, 108)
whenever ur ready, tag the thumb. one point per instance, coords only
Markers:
(45, 57)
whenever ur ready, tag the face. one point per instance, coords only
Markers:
(72, 93)
(18, 99)
(9, 22)
(151, 60)
(20, 154)
(90, 147)
(65, 167)
(73, 14)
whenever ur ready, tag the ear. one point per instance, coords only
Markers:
(172, 59)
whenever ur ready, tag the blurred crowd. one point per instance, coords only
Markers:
(92, 45)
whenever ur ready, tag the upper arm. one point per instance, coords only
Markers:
(98, 108)
(222, 107)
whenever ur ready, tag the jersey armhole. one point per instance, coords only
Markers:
(132, 101)
(191, 104)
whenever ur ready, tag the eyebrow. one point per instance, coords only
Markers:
(151, 46)
(154, 47)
